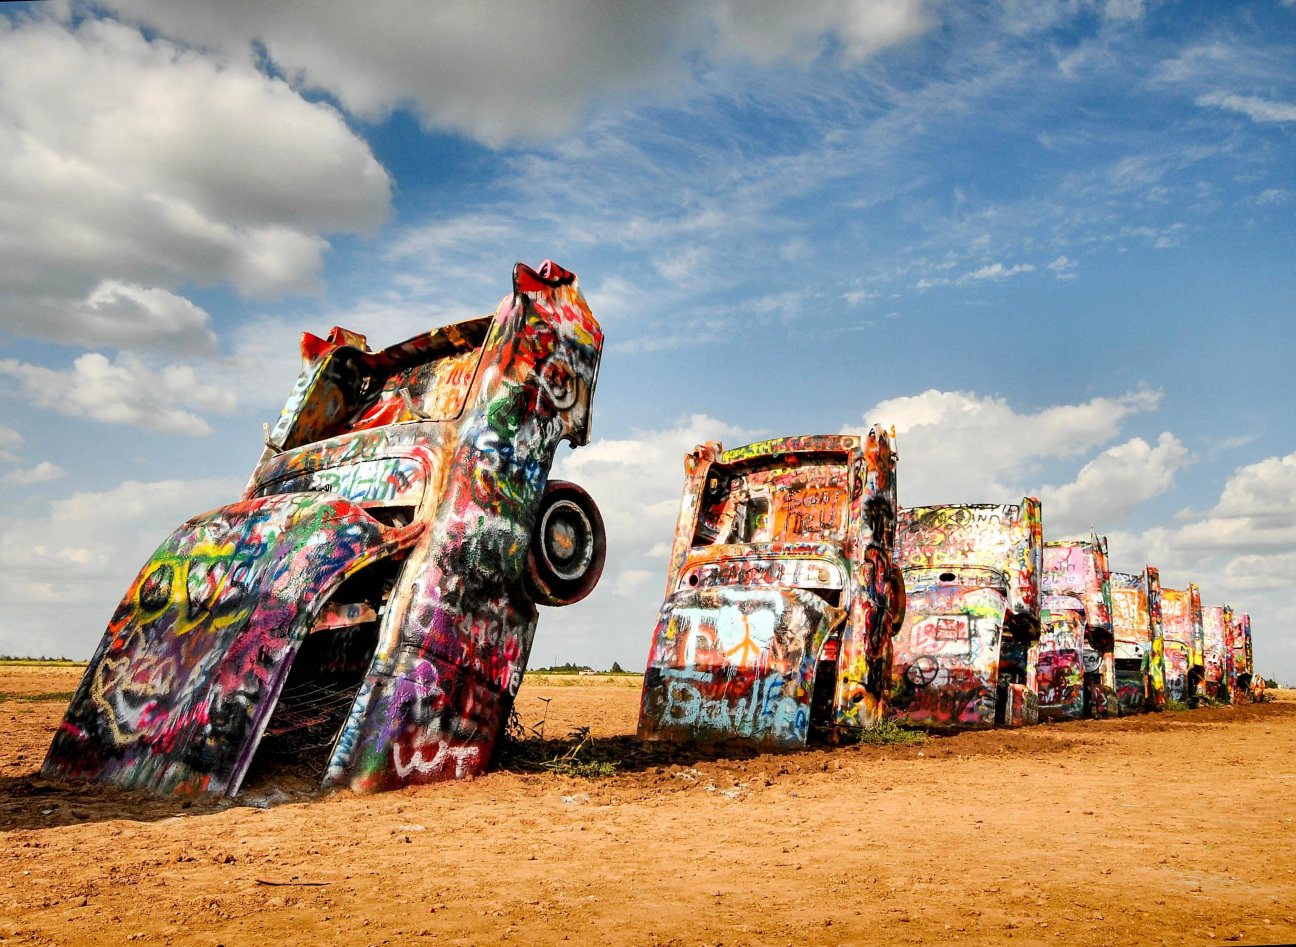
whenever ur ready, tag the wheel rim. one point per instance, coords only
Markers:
(566, 540)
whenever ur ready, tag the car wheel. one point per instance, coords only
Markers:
(568, 547)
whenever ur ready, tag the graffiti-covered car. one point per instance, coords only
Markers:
(966, 653)
(1179, 631)
(1246, 682)
(1139, 646)
(781, 597)
(1076, 674)
(1216, 656)
(373, 594)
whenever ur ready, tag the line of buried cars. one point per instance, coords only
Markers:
(368, 606)
(802, 600)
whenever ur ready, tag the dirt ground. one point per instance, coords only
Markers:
(1168, 829)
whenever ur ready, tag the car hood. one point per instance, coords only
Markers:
(179, 691)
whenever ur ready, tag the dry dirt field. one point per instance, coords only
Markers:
(1162, 829)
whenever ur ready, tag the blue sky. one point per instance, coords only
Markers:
(1051, 242)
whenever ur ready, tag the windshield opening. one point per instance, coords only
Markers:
(790, 498)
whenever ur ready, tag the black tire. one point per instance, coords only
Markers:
(568, 547)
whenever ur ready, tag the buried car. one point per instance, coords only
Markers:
(1216, 652)
(1076, 673)
(1247, 685)
(371, 598)
(1179, 631)
(781, 596)
(1139, 646)
(966, 654)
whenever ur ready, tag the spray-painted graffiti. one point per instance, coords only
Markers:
(738, 662)
(967, 654)
(1061, 662)
(401, 522)
(1077, 590)
(1244, 677)
(189, 672)
(793, 535)
(1177, 627)
(1139, 644)
(1215, 621)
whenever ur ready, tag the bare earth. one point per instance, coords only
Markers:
(1161, 829)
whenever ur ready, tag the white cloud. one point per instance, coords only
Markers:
(502, 69)
(1062, 267)
(1114, 484)
(10, 441)
(64, 569)
(126, 391)
(1256, 511)
(1242, 552)
(41, 473)
(125, 316)
(770, 30)
(958, 447)
(1253, 107)
(996, 271)
(130, 165)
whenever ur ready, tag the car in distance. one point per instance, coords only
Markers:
(1077, 661)
(966, 654)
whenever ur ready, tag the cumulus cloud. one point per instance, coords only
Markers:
(131, 165)
(1253, 107)
(125, 391)
(64, 567)
(124, 316)
(1114, 484)
(1256, 511)
(502, 69)
(41, 473)
(958, 447)
(1241, 552)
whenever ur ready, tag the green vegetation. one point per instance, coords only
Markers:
(888, 733)
(53, 662)
(570, 668)
(63, 696)
(1176, 706)
(567, 668)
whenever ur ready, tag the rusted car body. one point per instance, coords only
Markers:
(1216, 652)
(376, 585)
(1077, 647)
(966, 654)
(1180, 642)
(1139, 646)
(780, 594)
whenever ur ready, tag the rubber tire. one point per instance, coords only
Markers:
(546, 583)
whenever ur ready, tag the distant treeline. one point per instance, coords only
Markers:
(28, 659)
(570, 668)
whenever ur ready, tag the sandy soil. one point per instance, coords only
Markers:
(1169, 829)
